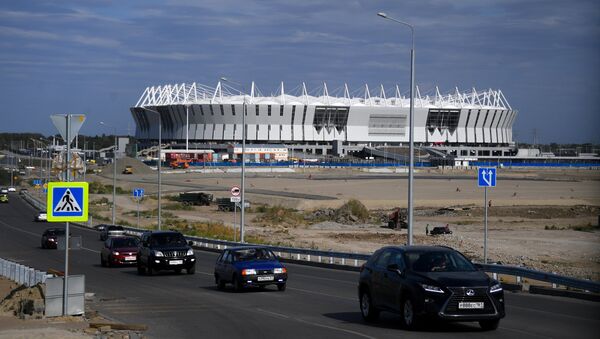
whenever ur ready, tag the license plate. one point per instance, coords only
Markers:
(175, 262)
(265, 278)
(129, 258)
(470, 306)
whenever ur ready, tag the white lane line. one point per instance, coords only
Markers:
(312, 277)
(280, 315)
(523, 332)
(551, 313)
(323, 294)
(37, 235)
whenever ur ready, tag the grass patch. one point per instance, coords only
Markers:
(98, 188)
(585, 228)
(279, 215)
(101, 201)
(355, 208)
(213, 230)
(177, 207)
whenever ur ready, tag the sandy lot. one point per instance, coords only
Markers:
(533, 220)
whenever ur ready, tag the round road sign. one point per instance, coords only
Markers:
(235, 191)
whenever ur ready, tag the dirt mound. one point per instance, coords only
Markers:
(23, 301)
(138, 166)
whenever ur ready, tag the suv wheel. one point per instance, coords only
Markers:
(141, 270)
(409, 318)
(237, 284)
(191, 270)
(489, 325)
(281, 287)
(102, 261)
(220, 283)
(367, 309)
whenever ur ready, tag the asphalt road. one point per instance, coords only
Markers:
(319, 303)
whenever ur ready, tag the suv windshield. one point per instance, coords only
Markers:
(125, 242)
(438, 261)
(252, 254)
(167, 239)
(56, 232)
(115, 228)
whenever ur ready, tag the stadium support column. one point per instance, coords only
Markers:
(411, 126)
(187, 126)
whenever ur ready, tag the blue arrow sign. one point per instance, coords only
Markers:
(486, 177)
(138, 192)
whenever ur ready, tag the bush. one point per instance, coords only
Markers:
(177, 207)
(355, 208)
(278, 215)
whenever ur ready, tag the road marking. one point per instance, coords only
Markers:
(312, 277)
(273, 313)
(37, 235)
(551, 313)
(318, 293)
(523, 332)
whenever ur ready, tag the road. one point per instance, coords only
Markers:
(319, 303)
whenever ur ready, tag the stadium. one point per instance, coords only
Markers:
(471, 123)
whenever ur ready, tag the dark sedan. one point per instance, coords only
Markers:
(249, 267)
(428, 281)
(50, 237)
(119, 251)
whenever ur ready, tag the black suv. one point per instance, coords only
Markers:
(419, 281)
(164, 250)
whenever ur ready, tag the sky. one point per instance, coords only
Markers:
(97, 56)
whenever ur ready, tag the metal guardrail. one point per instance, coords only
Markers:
(21, 274)
(356, 259)
(586, 285)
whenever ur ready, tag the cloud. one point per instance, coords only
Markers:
(319, 38)
(41, 35)
(175, 56)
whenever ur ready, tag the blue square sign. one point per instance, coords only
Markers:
(486, 176)
(67, 201)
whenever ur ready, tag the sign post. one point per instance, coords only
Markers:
(235, 198)
(486, 178)
(138, 194)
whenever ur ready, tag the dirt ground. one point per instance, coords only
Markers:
(538, 218)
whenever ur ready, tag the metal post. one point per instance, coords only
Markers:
(138, 211)
(114, 202)
(68, 178)
(485, 229)
(234, 221)
(411, 126)
(243, 206)
(187, 126)
(159, 166)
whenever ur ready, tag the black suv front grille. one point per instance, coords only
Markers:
(459, 294)
(174, 254)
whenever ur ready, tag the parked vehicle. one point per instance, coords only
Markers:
(111, 231)
(250, 266)
(50, 237)
(440, 230)
(195, 198)
(119, 251)
(12, 189)
(41, 216)
(3, 190)
(128, 170)
(225, 205)
(433, 281)
(3, 198)
(165, 250)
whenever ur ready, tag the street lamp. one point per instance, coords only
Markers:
(243, 179)
(411, 123)
(159, 159)
(114, 206)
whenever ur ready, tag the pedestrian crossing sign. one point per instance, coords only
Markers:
(67, 201)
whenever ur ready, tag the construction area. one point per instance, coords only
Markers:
(545, 218)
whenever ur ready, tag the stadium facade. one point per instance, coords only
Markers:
(203, 114)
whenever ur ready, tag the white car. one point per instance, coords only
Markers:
(3, 190)
(41, 216)
(12, 189)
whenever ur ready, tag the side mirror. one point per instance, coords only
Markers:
(191, 243)
(479, 267)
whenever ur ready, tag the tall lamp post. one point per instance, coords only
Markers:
(411, 123)
(243, 179)
(114, 206)
(159, 159)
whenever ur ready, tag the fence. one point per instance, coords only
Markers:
(356, 259)
(21, 274)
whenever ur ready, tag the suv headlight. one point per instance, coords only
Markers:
(115, 253)
(279, 270)
(158, 254)
(190, 252)
(431, 288)
(249, 271)
(496, 288)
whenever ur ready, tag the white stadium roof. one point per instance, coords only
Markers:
(194, 93)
